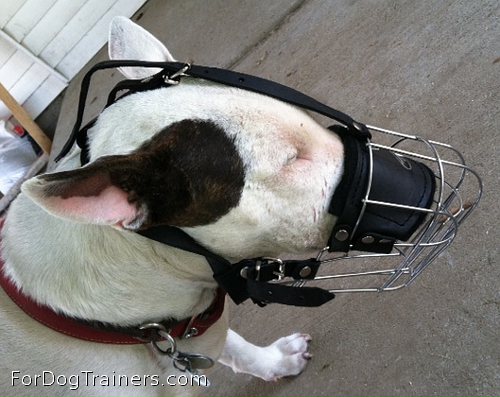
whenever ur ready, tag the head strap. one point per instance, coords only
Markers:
(171, 73)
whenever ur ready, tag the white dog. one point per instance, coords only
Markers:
(243, 174)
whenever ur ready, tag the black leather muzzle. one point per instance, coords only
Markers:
(390, 180)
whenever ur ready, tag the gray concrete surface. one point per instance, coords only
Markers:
(424, 67)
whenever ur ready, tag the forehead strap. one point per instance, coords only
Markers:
(172, 72)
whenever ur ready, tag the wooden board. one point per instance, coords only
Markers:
(6, 51)
(95, 38)
(29, 83)
(61, 35)
(75, 29)
(26, 121)
(9, 9)
(51, 24)
(26, 18)
(45, 94)
(14, 68)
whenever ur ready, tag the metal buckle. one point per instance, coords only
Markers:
(171, 79)
(258, 265)
(281, 267)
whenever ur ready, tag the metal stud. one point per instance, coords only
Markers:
(342, 235)
(368, 240)
(192, 332)
(305, 271)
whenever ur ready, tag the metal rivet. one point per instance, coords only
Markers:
(244, 272)
(305, 271)
(342, 235)
(368, 240)
(192, 332)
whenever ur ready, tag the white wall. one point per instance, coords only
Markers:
(45, 43)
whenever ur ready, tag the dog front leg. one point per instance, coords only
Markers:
(285, 357)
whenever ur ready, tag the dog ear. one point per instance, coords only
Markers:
(128, 40)
(85, 195)
(113, 190)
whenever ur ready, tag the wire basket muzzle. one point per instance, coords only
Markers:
(417, 194)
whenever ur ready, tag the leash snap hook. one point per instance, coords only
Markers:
(184, 362)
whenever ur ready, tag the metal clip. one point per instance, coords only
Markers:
(192, 362)
(189, 362)
(171, 79)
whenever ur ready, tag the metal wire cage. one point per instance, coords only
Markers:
(458, 191)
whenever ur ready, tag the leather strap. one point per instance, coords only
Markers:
(242, 280)
(222, 76)
(277, 91)
(286, 295)
(346, 201)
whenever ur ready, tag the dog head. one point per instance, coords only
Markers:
(242, 173)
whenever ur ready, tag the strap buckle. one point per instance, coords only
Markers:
(281, 267)
(275, 269)
(262, 271)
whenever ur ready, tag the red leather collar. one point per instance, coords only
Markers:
(83, 330)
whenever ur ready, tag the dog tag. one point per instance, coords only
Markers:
(192, 362)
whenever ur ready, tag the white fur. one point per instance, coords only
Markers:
(128, 42)
(104, 273)
(285, 357)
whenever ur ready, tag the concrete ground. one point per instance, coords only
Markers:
(424, 67)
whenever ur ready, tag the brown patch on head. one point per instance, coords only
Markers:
(189, 174)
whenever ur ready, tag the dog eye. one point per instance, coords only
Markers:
(291, 158)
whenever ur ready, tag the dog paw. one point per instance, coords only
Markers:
(288, 356)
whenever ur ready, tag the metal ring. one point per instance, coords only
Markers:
(170, 351)
(152, 327)
(162, 332)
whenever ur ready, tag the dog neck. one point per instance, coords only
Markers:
(100, 273)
